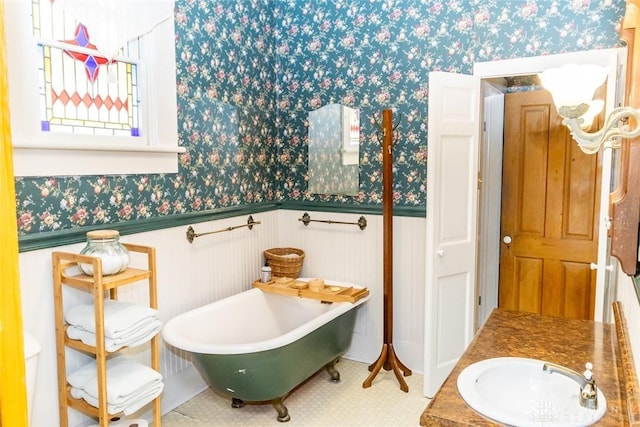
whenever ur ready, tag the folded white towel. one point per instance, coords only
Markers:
(125, 378)
(130, 405)
(131, 332)
(120, 317)
(137, 337)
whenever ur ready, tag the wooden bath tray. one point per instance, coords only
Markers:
(331, 293)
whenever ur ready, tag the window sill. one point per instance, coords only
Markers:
(55, 160)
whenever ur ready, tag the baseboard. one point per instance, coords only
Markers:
(182, 387)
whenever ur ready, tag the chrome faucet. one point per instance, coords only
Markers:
(588, 389)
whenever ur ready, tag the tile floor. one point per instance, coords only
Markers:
(317, 402)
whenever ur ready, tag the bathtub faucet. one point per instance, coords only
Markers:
(588, 389)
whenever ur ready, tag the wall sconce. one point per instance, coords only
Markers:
(572, 88)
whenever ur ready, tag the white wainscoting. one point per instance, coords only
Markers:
(218, 265)
(344, 252)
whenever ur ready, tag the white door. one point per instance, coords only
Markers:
(490, 173)
(452, 187)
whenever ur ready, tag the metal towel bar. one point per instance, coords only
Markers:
(191, 234)
(306, 219)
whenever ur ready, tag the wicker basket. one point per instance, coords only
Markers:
(283, 265)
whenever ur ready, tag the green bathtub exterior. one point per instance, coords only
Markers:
(272, 374)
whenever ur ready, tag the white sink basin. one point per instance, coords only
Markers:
(516, 391)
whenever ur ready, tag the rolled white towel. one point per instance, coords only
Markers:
(125, 378)
(137, 337)
(120, 317)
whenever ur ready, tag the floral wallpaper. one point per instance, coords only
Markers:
(249, 72)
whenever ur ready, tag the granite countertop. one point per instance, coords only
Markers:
(567, 342)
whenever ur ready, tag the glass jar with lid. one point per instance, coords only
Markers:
(106, 245)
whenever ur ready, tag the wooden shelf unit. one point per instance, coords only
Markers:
(65, 272)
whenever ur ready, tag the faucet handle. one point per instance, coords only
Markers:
(589, 392)
(588, 373)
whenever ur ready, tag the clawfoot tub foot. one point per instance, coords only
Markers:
(283, 412)
(331, 369)
(237, 403)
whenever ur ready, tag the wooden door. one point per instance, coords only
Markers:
(549, 219)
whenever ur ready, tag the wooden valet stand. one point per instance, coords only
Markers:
(388, 359)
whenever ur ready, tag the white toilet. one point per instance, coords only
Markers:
(31, 351)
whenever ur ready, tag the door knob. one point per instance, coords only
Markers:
(594, 266)
(507, 239)
(440, 253)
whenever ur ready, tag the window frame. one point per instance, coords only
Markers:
(77, 154)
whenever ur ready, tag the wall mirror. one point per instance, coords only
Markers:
(625, 201)
(334, 150)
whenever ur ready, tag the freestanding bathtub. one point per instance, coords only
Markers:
(257, 346)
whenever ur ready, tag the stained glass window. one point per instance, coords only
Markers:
(81, 90)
